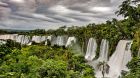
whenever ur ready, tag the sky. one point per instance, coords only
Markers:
(51, 14)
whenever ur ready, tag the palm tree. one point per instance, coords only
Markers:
(104, 67)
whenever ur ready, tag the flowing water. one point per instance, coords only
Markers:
(8, 36)
(22, 39)
(103, 58)
(104, 47)
(91, 49)
(59, 40)
(110, 69)
(118, 60)
(39, 39)
(49, 38)
(70, 41)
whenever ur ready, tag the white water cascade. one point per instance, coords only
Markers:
(59, 41)
(118, 60)
(39, 39)
(18, 38)
(70, 41)
(48, 38)
(103, 58)
(104, 47)
(91, 49)
(22, 39)
(8, 36)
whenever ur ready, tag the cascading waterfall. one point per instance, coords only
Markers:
(22, 39)
(26, 39)
(18, 38)
(115, 65)
(39, 39)
(53, 40)
(8, 36)
(70, 41)
(104, 50)
(103, 58)
(49, 38)
(119, 59)
(91, 49)
(59, 41)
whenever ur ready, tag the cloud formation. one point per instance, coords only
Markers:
(32, 14)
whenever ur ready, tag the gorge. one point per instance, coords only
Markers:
(105, 65)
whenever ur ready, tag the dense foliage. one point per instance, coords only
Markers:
(42, 62)
(134, 67)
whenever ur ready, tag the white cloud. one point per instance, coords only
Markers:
(18, 1)
(43, 13)
(60, 9)
(100, 9)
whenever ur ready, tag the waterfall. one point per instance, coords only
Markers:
(53, 40)
(39, 39)
(59, 41)
(70, 41)
(8, 36)
(26, 40)
(22, 39)
(49, 38)
(119, 59)
(18, 38)
(91, 49)
(103, 58)
(104, 47)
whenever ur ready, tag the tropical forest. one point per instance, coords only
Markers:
(105, 50)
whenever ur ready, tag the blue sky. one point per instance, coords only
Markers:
(46, 14)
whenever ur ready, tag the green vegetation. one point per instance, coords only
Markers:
(42, 62)
(134, 67)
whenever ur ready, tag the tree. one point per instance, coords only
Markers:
(134, 67)
(128, 10)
